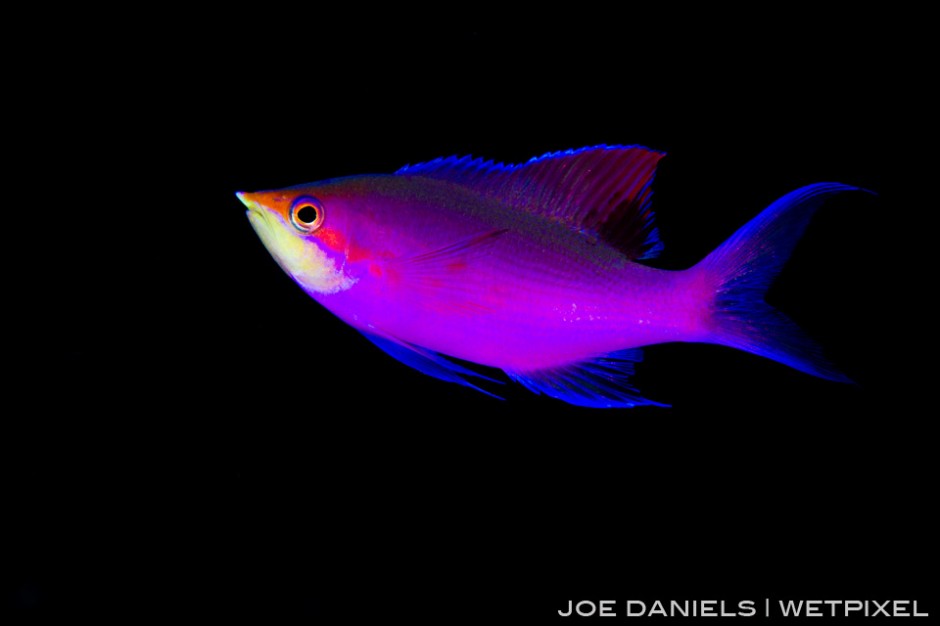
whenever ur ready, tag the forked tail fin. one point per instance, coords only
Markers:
(742, 269)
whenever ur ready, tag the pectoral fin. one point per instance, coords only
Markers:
(443, 279)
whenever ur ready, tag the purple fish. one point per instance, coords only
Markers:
(537, 269)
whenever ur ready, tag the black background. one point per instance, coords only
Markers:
(191, 435)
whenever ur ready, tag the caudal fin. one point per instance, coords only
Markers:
(742, 270)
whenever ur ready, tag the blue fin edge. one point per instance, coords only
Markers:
(600, 383)
(429, 362)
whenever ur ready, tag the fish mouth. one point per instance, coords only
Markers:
(251, 203)
(261, 222)
(256, 213)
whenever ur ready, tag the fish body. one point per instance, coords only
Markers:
(539, 269)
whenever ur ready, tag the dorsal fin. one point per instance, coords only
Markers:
(603, 190)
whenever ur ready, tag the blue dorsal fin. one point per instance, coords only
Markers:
(602, 383)
(602, 189)
(428, 362)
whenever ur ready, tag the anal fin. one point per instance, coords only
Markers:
(602, 382)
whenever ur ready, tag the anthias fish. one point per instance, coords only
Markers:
(539, 269)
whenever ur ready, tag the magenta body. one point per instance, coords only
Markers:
(526, 294)
(536, 269)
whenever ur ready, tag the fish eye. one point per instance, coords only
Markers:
(306, 214)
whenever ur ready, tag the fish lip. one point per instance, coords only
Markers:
(246, 199)
(253, 206)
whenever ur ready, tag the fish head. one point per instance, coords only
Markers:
(305, 230)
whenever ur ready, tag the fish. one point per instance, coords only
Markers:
(540, 269)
